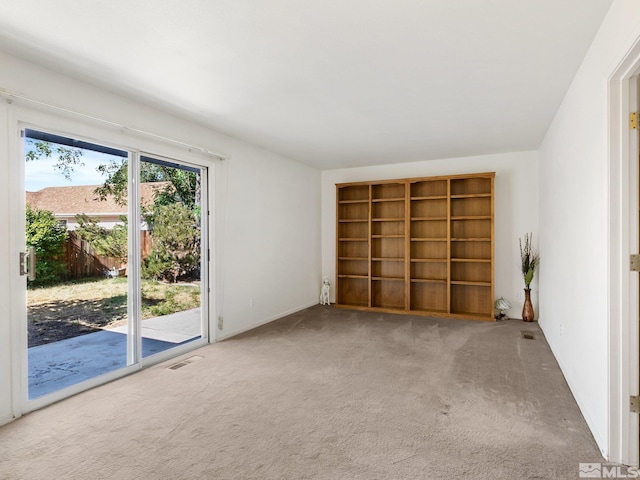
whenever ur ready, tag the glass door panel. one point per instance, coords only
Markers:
(171, 259)
(76, 224)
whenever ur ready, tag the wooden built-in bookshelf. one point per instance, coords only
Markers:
(417, 245)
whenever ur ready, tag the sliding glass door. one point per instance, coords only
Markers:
(171, 260)
(114, 262)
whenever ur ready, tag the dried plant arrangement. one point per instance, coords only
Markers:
(530, 259)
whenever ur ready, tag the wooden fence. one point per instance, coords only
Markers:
(82, 260)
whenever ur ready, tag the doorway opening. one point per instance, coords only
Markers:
(624, 284)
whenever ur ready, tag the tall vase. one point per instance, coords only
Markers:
(527, 308)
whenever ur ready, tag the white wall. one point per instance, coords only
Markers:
(266, 209)
(516, 209)
(5, 318)
(271, 251)
(574, 222)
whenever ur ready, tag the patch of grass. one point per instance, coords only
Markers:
(84, 306)
(81, 289)
(164, 299)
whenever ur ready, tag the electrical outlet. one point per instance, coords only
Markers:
(220, 322)
(561, 329)
(251, 302)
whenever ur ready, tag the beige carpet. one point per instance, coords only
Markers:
(322, 394)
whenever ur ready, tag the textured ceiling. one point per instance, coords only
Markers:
(331, 83)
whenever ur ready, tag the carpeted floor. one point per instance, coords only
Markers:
(322, 394)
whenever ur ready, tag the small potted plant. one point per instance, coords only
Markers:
(530, 260)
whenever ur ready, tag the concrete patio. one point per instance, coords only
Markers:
(61, 364)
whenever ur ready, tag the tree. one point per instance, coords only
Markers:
(67, 157)
(183, 186)
(173, 217)
(48, 236)
(175, 251)
(116, 182)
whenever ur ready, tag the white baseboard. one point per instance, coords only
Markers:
(6, 419)
(223, 336)
(582, 405)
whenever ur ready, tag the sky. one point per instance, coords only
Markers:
(41, 173)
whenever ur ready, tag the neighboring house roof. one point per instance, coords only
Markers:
(82, 199)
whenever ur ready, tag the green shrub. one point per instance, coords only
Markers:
(175, 243)
(48, 236)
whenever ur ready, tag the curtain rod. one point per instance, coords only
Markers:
(9, 96)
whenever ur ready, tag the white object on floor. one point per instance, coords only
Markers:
(324, 292)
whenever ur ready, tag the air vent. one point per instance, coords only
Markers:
(528, 335)
(176, 366)
(185, 362)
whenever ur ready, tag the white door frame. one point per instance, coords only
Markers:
(623, 343)
(70, 123)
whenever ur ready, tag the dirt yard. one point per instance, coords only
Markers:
(80, 307)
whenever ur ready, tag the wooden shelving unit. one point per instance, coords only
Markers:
(418, 245)
(353, 245)
(388, 231)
